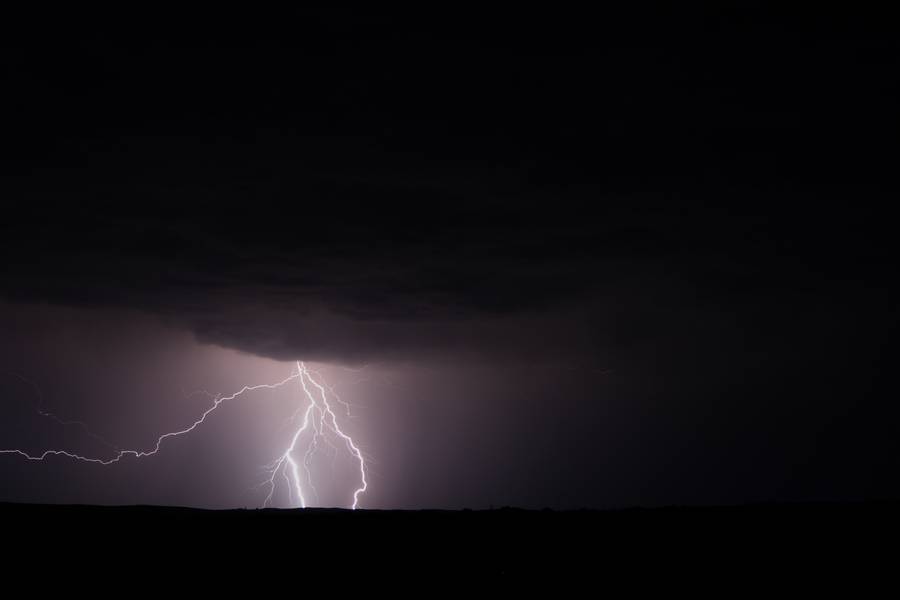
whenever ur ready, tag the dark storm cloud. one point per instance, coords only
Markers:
(376, 255)
(411, 186)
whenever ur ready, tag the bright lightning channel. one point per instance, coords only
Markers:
(318, 418)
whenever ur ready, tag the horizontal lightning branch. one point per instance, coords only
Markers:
(319, 421)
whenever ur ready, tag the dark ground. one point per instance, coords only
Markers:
(774, 548)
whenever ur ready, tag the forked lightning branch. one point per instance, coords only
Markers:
(318, 426)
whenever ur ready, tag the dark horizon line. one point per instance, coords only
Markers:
(769, 504)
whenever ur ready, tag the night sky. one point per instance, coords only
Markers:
(565, 260)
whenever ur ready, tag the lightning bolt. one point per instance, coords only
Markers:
(320, 424)
(319, 421)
